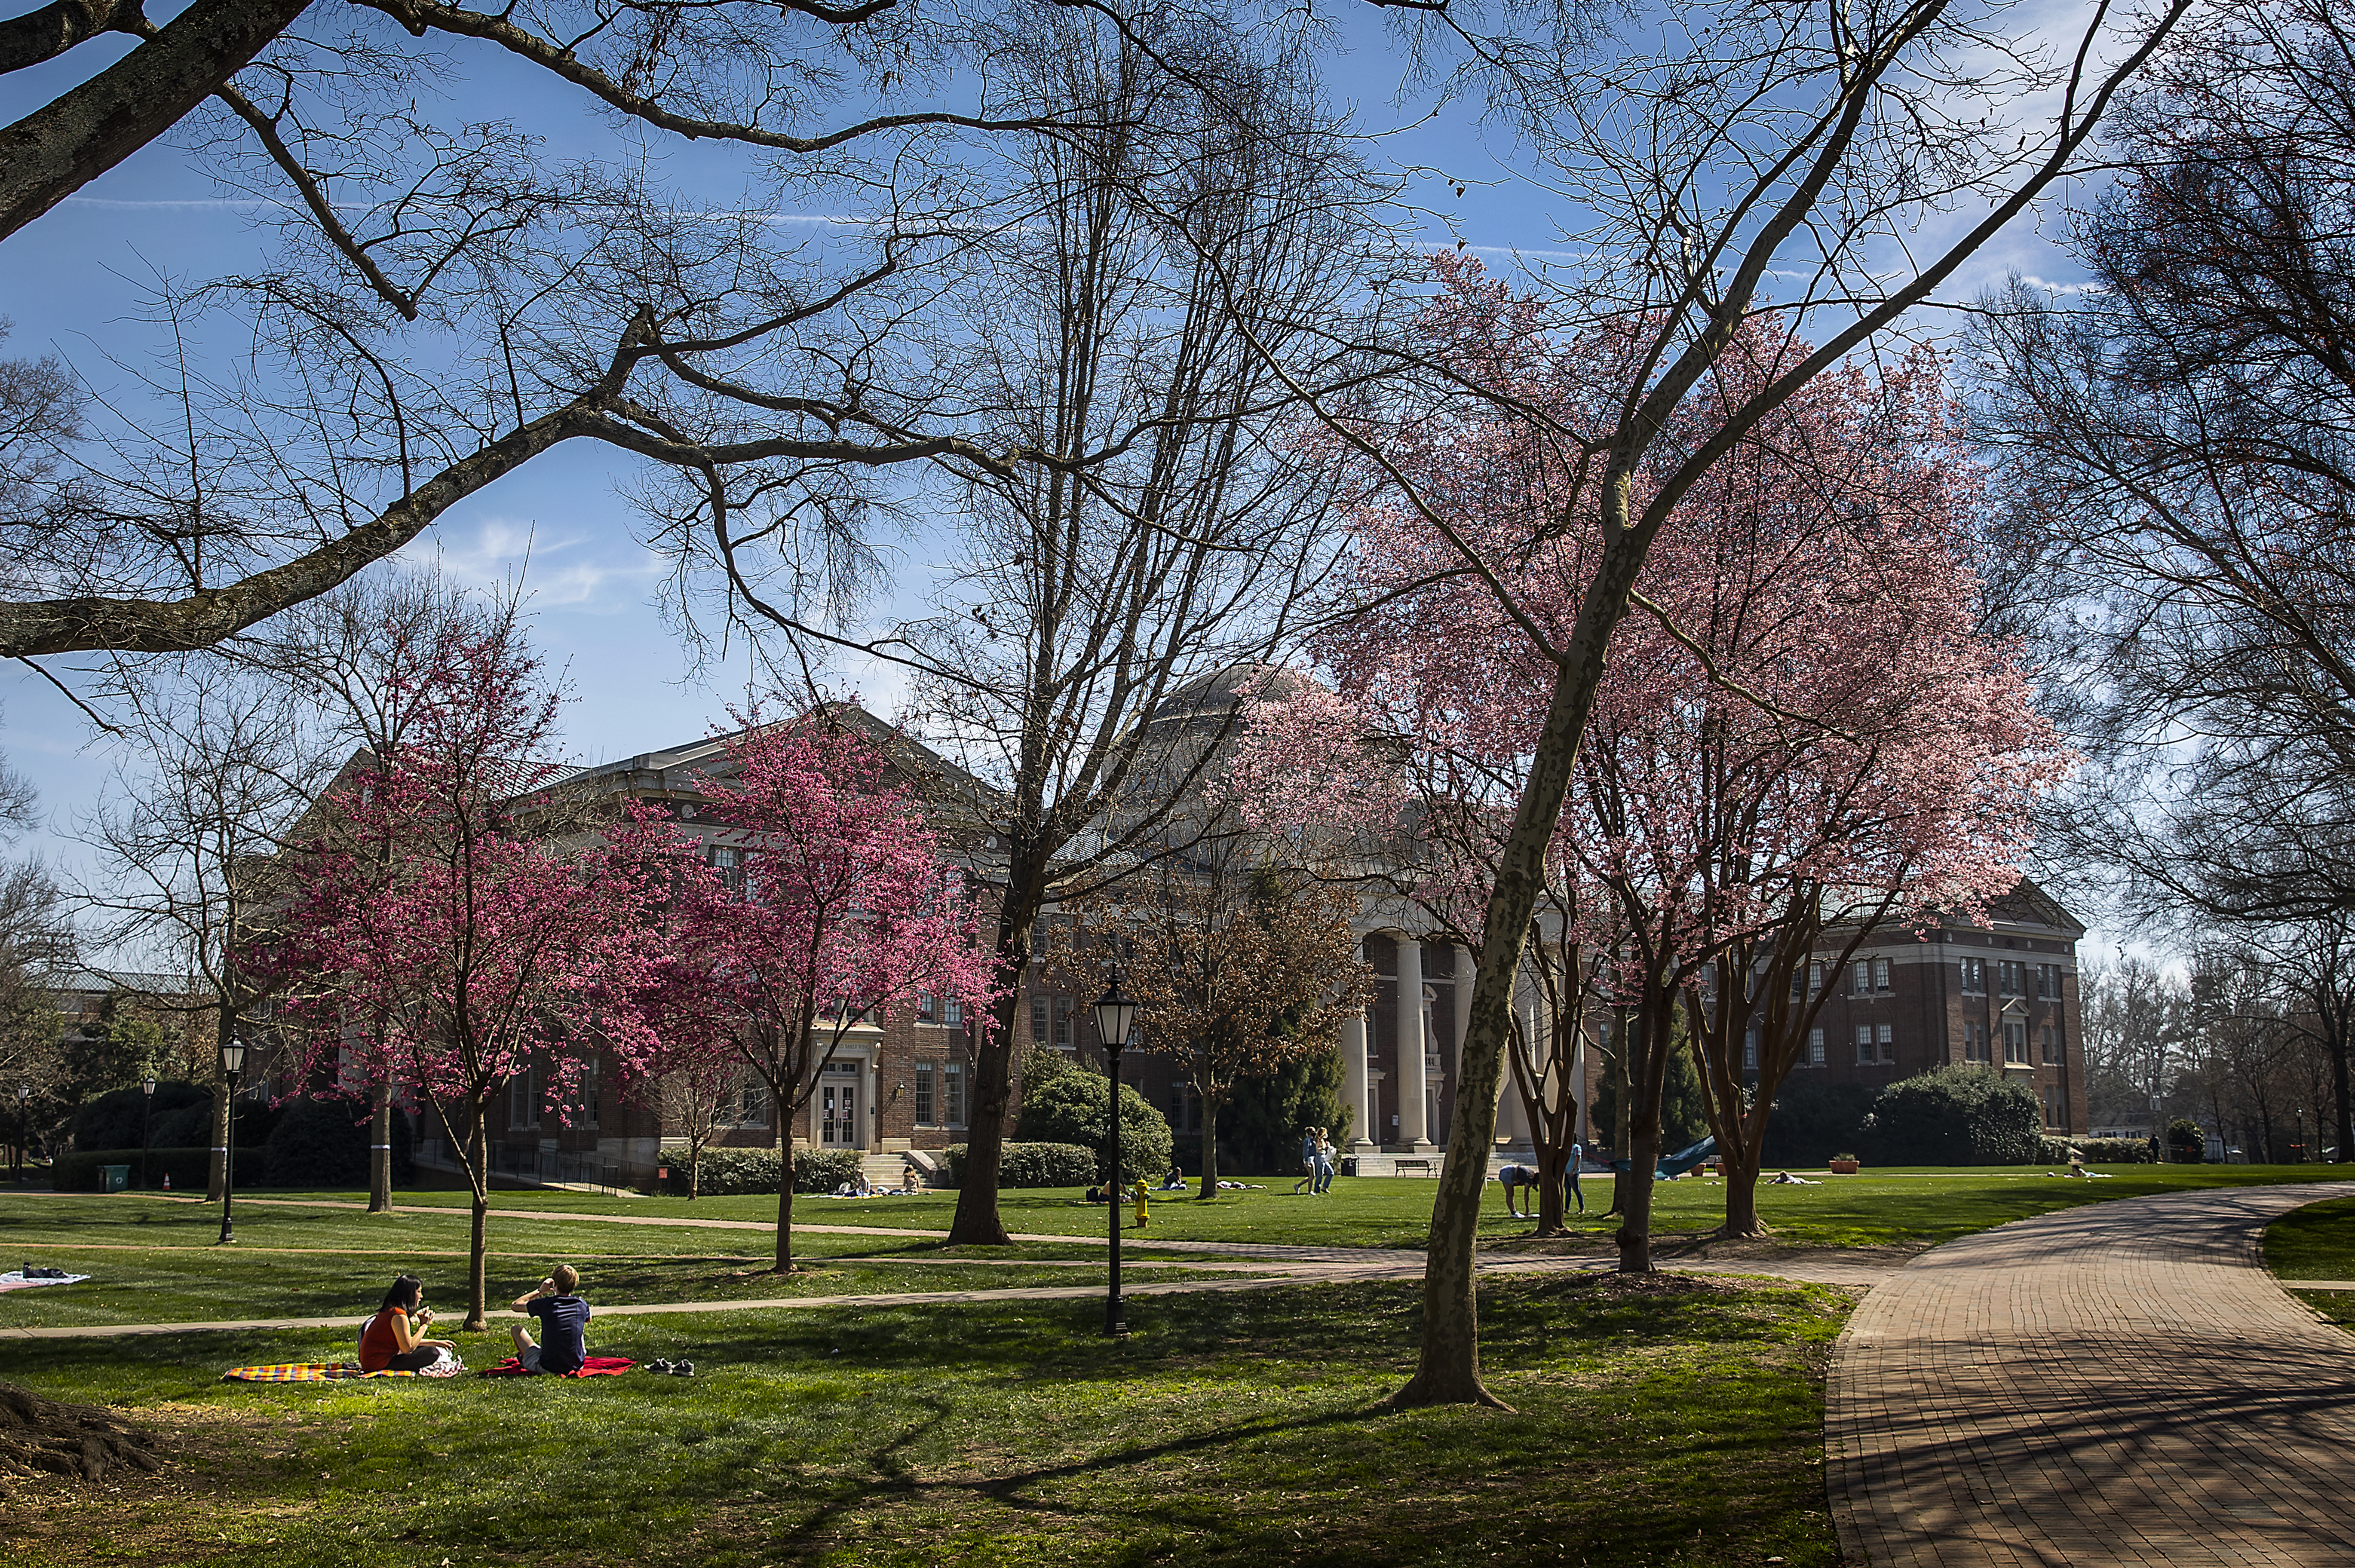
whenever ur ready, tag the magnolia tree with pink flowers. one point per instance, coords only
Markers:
(843, 909)
(1797, 732)
(455, 931)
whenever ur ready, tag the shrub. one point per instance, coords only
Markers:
(1959, 1114)
(2186, 1141)
(190, 1168)
(1035, 1165)
(1069, 1105)
(113, 1119)
(318, 1143)
(1814, 1120)
(2098, 1151)
(728, 1172)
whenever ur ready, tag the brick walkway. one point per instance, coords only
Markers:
(2119, 1383)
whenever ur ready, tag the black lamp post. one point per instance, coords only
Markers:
(1115, 1015)
(2301, 1135)
(232, 1061)
(146, 1114)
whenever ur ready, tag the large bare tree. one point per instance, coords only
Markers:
(1077, 657)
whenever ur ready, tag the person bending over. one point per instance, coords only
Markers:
(563, 1324)
(391, 1340)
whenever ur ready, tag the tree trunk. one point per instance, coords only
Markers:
(1623, 1105)
(977, 1222)
(1741, 1173)
(1210, 1145)
(784, 1263)
(2334, 1026)
(1449, 1372)
(694, 1171)
(380, 1152)
(1552, 1161)
(477, 1245)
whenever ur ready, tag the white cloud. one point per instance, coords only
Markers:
(557, 571)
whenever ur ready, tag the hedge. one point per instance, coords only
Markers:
(121, 1118)
(190, 1168)
(729, 1172)
(1960, 1114)
(2099, 1151)
(1033, 1165)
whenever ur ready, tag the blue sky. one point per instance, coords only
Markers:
(70, 282)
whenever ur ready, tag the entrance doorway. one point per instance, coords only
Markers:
(837, 1106)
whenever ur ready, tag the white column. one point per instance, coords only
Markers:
(1364, 1136)
(1412, 1088)
(870, 1112)
(1578, 1086)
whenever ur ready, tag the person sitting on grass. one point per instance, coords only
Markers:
(563, 1324)
(390, 1341)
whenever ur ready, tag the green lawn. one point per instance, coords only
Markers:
(1876, 1209)
(1660, 1422)
(159, 1262)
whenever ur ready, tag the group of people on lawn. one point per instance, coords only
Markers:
(394, 1338)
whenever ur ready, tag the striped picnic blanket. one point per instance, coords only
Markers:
(304, 1372)
(449, 1366)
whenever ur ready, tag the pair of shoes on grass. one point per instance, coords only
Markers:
(674, 1369)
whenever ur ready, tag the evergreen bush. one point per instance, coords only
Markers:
(1814, 1119)
(1038, 1164)
(1958, 1114)
(2098, 1151)
(112, 1120)
(1064, 1103)
(729, 1172)
(318, 1143)
(2186, 1141)
(190, 1168)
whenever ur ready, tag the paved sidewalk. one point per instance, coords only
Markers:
(2117, 1383)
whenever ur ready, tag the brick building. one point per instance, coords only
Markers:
(2003, 994)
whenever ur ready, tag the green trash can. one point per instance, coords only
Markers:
(113, 1178)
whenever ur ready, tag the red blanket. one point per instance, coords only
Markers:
(594, 1367)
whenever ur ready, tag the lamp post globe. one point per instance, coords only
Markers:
(1116, 1016)
(232, 1061)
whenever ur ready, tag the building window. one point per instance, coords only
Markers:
(751, 1104)
(2052, 1117)
(1798, 982)
(1864, 1055)
(924, 1095)
(953, 1085)
(1815, 1048)
(2047, 982)
(2009, 978)
(1050, 1021)
(923, 1007)
(2015, 1042)
(1975, 1042)
(1863, 981)
(952, 1011)
(1880, 974)
(1888, 1042)
(1974, 976)
(523, 1098)
(728, 862)
(1750, 1049)
(589, 1095)
(2053, 1054)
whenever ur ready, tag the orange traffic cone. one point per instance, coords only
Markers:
(168, 1181)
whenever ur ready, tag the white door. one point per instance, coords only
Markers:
(838, 1125)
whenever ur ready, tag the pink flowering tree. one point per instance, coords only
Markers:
(1797, 730)
(844, 909)
(456, 928)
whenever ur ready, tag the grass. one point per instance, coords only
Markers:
(1915, 1208)
(159, 1263)
(1673, 1421)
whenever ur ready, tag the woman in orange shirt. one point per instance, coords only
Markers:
(390, 1342)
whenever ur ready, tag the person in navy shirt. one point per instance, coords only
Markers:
(563, 1324)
